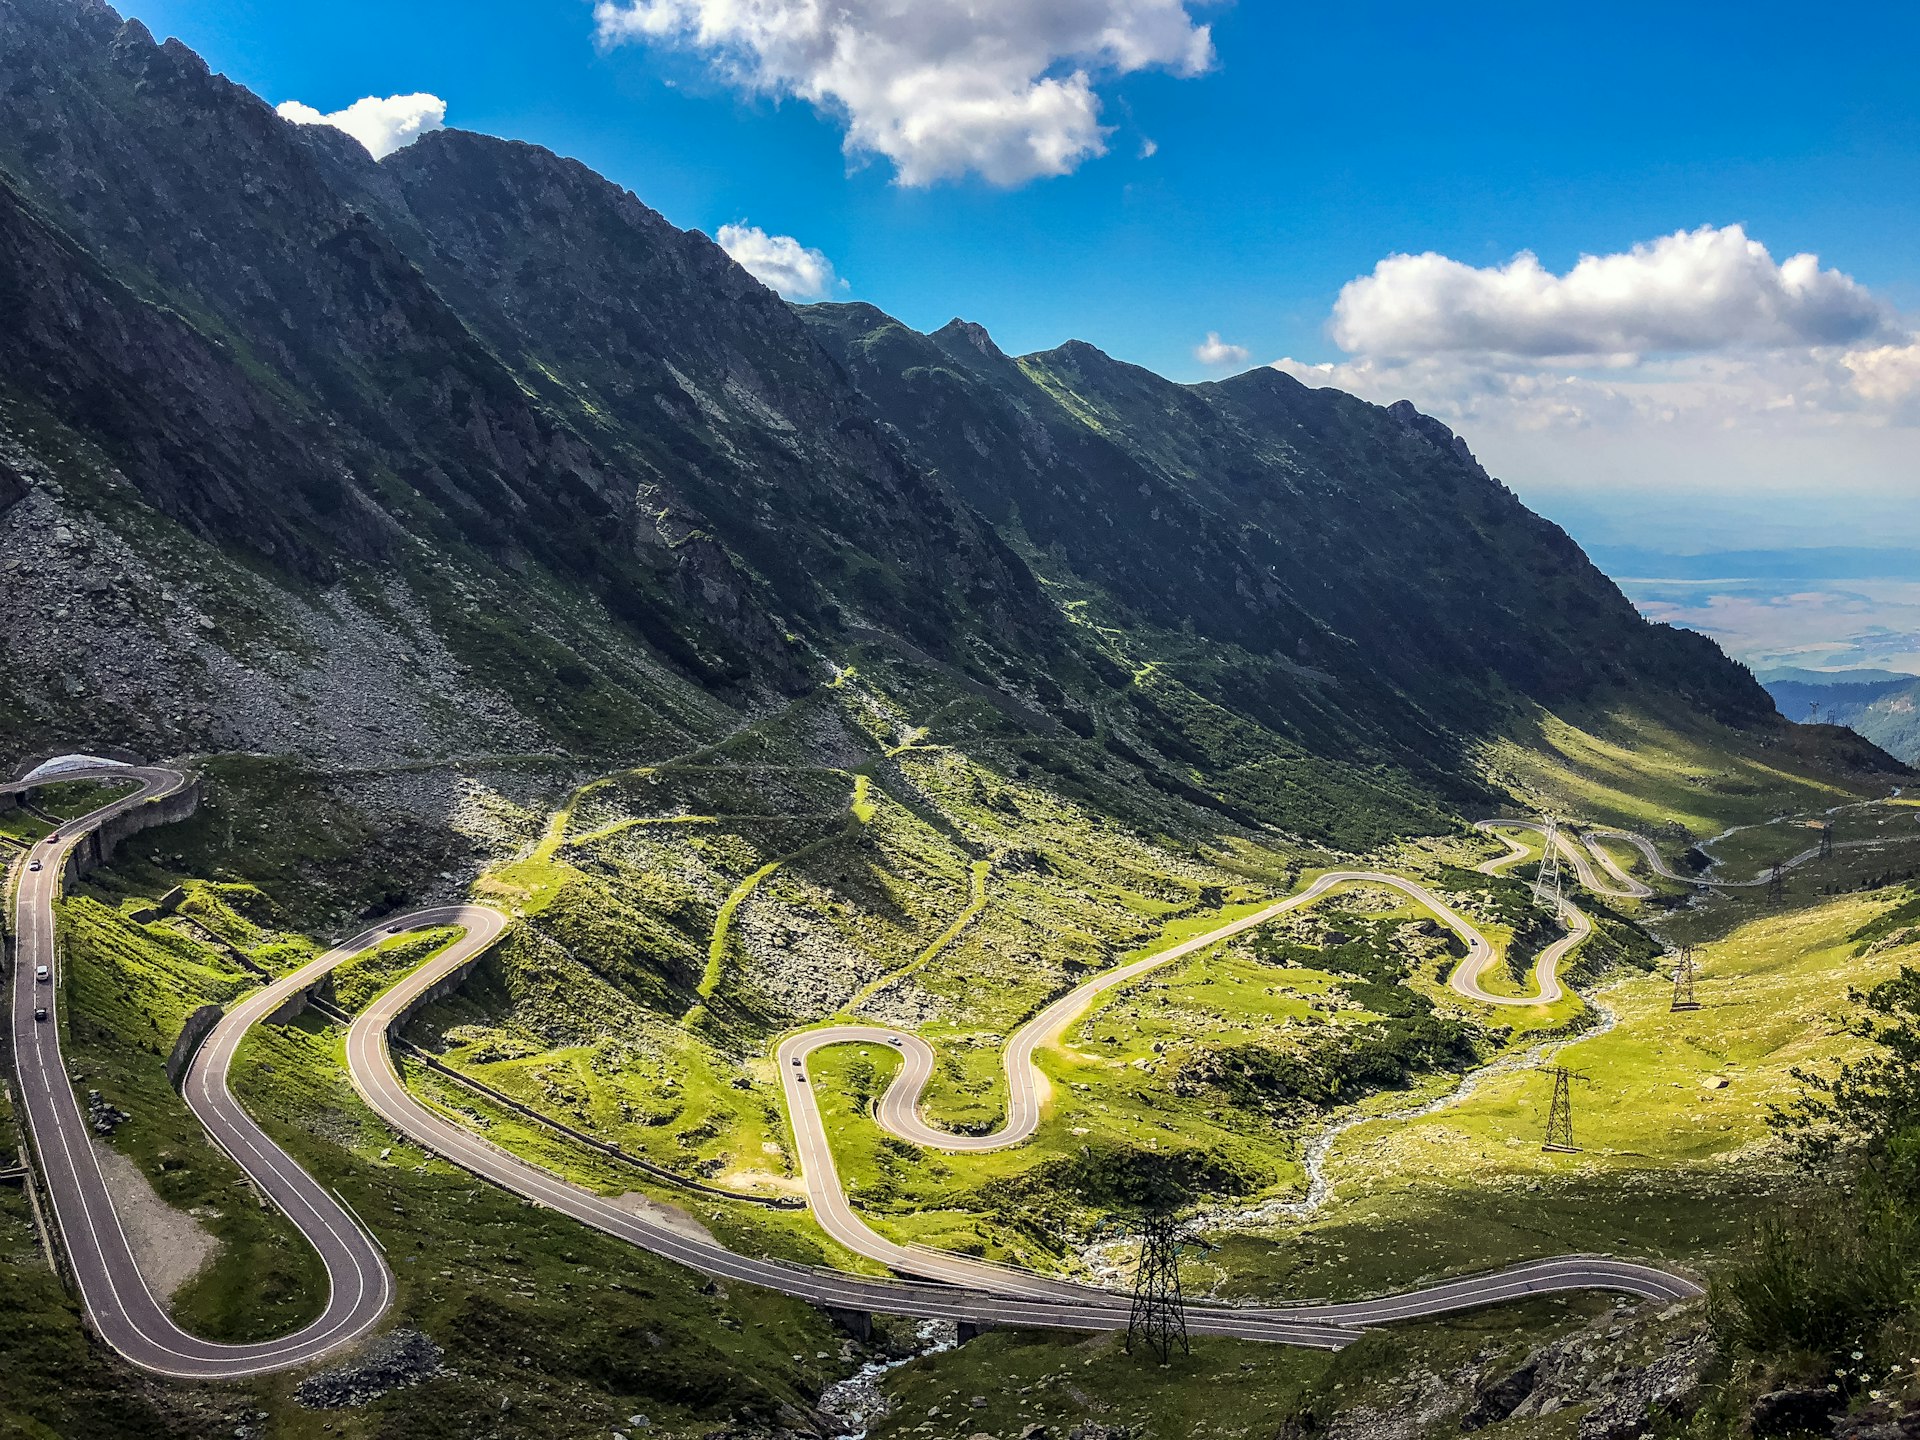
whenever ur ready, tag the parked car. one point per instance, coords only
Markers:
(40, 972)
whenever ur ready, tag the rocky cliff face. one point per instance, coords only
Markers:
(703, 380)
(470, 450)
(1300, 525)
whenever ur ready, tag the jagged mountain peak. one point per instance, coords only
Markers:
(1436, 431)
(970, 333)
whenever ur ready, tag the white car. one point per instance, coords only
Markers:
(33, 865)
(40, 972)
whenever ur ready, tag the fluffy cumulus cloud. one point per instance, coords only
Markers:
(780, 262)
(1888, 376)
(1004, 89)
(383, 126)
(1215, 351)
(1692, 370)
(1705, 289)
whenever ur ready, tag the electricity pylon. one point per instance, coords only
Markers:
(1826, 841)
(1546, 881)
(1683, 973)
(1777, 883)
(1159, 1316)
(1560, 1111)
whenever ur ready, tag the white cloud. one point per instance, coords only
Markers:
(1215, 351)
(941, 88)
(383, 126)
(1699, 290)
(1888, 376)
(780, 262)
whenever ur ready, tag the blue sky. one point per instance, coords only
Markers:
(1698, 392)
(1323, 138)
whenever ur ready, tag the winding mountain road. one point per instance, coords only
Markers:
(124, 1311)
(971, 1290)
(360, 1287)
(1621, 886)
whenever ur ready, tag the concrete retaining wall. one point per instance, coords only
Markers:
(165, 906)
(447, 984)
(293, 1007)
(98, 847)
(199, 1025)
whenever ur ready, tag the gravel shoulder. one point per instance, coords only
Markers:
(170, 1247)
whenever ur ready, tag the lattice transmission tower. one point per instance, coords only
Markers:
(1683, 972)
(1546, 881)
(1826, 840)
(1158, 1320)
(1560, 1111)
(1777, 883)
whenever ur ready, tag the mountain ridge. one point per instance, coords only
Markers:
(492, 406)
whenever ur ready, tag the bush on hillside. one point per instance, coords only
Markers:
(1832, 1276)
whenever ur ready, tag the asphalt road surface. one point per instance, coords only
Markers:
(981, 1293)
(360, 1288)
(1621, 885)
(124, 1312)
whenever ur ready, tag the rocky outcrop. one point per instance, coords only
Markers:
(1621, 1383)
(1881, 1420)
(387, 1363)
(103, 1115)
(13, 486)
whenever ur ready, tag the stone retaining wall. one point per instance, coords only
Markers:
(199, 1025)
(98, 847)
(446, 985)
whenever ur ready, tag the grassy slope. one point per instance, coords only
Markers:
(129, 988)
(55, 1382)
(1081, 871)
(888, 898)
(504, 1296)
(1671, 1170)
(1661, 1152)
(1660, 776)
(1225, 1389)
(574, 1330)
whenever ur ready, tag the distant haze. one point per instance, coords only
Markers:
(1826, 609)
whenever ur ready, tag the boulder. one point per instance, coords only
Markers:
(1786, 1412)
